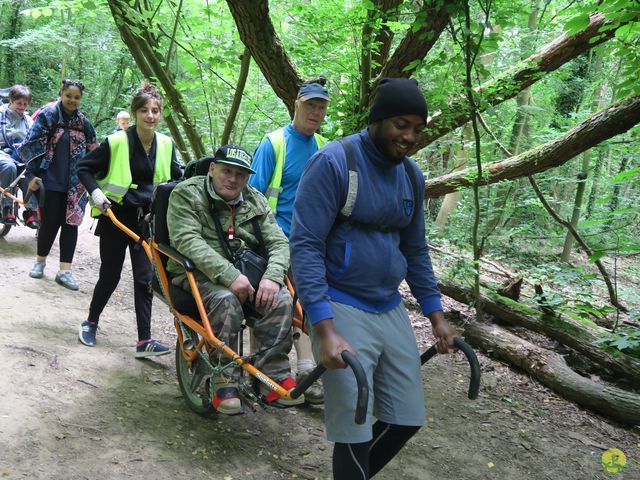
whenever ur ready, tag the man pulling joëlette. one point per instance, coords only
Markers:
(347, 268)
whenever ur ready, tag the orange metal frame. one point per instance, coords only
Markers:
(209, 340)
(6, 193)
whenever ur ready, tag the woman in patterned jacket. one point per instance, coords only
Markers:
(60, 136)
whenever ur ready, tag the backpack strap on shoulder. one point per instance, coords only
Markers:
(352, 191)
(414, 185)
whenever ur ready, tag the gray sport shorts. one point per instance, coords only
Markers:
(386, 346)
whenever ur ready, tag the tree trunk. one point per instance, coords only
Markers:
(505, 191)
(615, 195)
(9, 65)
(551, 370)
(577, 207)
(365, 58)
(602, 152)
(384, 37)
(147, 71)
(614, 120)
(259, 36)
(107, 102)
(245, 61)
(145, 46)
(460, 162)
(374, 46)
(549, 58)
(586, 159)
(571, 333)
(420, 38)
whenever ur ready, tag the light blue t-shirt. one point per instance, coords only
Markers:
(299, 148)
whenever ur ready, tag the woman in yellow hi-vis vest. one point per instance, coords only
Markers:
(122, 172)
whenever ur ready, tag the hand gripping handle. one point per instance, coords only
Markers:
(361, 380)
(40, 194)
(474, 382)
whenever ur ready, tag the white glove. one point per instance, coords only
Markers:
(99, 198)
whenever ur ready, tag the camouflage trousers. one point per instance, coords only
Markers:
(271, 328)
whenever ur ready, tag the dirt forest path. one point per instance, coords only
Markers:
(72, 412)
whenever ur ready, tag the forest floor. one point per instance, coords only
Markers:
(72, 412)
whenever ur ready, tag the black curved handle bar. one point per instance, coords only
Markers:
(474, 382)
(40, 194)
(361, 379)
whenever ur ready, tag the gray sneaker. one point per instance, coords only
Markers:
(37, 271)
(66, 279)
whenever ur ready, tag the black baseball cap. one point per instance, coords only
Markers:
(234, 155)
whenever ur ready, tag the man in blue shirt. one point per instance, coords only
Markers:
(352, 244)
(279, 162)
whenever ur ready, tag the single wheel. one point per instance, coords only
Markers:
(194, 380)
(4, 229)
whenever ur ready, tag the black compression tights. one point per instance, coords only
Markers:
(361, 461)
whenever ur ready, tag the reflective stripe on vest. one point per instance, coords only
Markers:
(279, 149)
(118, 179)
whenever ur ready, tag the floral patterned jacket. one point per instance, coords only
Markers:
(38, 151)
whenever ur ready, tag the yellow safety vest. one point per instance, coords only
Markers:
(118, 179)
(279, 148)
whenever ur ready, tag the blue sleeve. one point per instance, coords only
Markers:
(317, 204)
(413, 244)
(264, 163)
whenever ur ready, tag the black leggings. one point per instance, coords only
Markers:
(113, 245)
(361, 461)
(53, 217)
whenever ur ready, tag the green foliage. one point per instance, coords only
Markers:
(78, 38)
(625, 339)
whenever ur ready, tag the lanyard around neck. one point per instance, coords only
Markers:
(232, 229)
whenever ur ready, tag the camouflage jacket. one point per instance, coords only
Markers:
(192, 231)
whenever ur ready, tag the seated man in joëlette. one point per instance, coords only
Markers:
(224, 289)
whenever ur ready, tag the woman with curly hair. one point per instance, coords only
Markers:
(58, 139)
(121, 174)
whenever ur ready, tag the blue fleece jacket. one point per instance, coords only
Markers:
(335, 260)
(299, 148)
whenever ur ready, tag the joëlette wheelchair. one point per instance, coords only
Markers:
(9, 191)
(197, 343)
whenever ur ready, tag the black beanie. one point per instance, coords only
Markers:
(396, 97)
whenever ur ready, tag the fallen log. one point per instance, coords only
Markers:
(581, 337)
(551, 370)
(607, 123)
